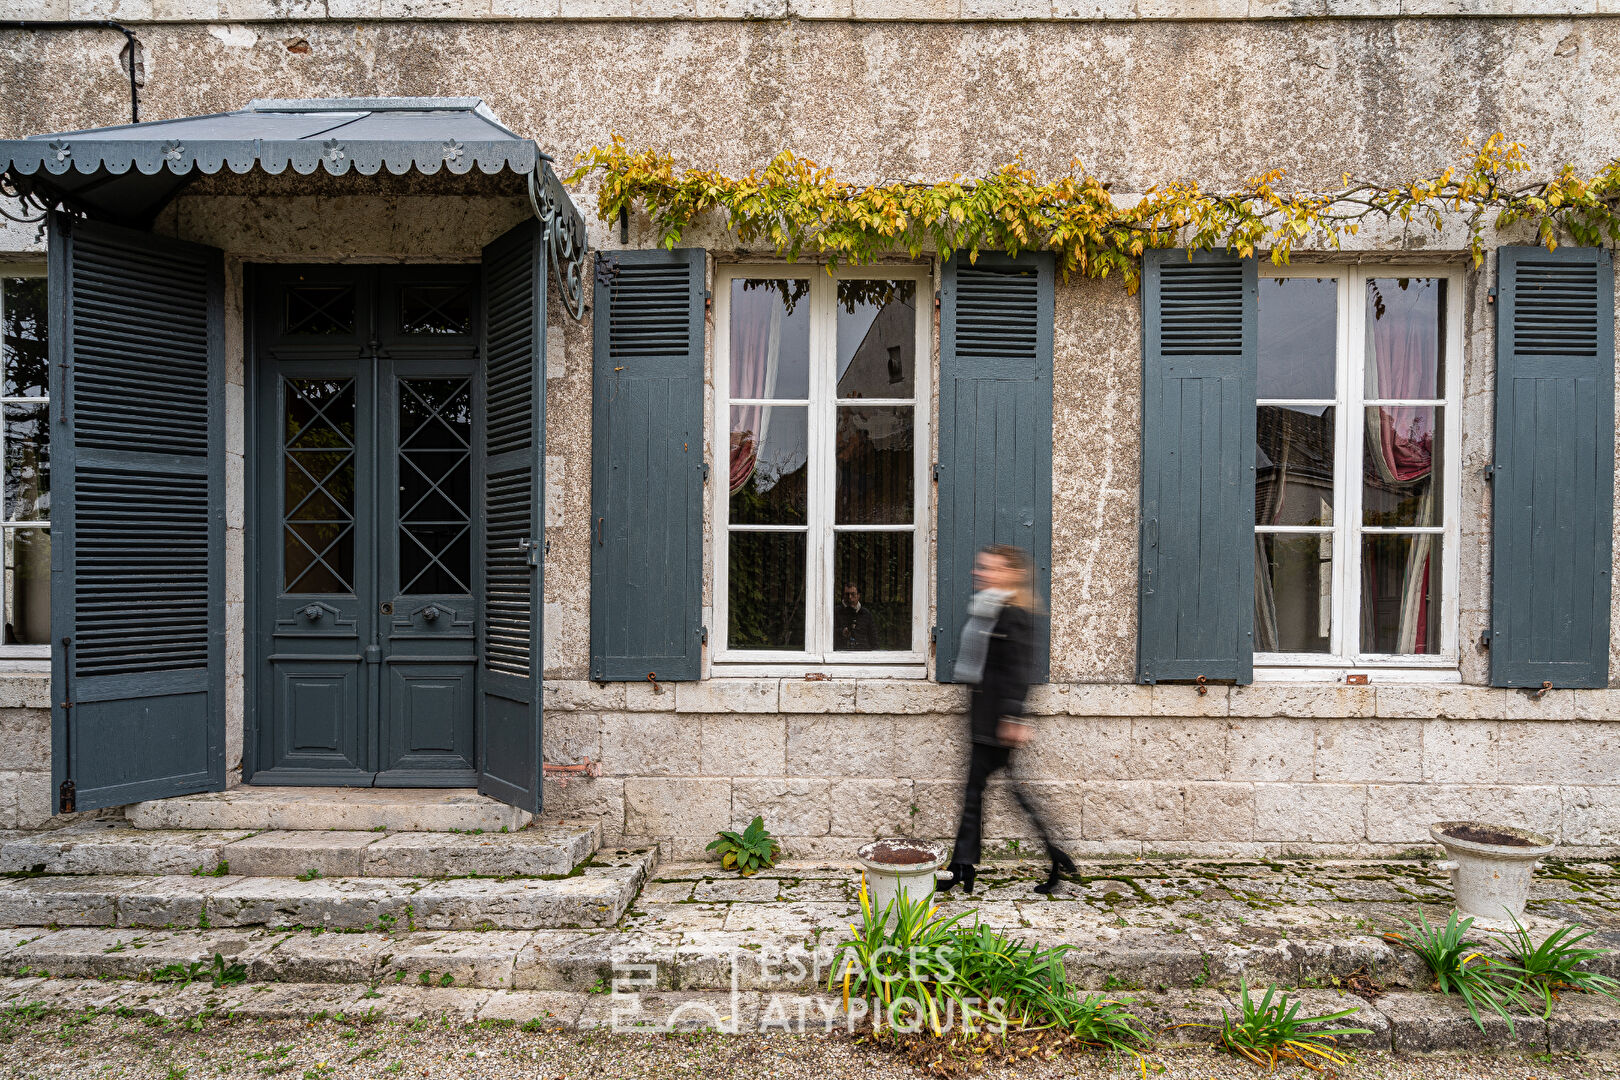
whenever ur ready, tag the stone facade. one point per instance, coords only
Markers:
(1268, 769)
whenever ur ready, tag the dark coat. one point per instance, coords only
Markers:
(1007, 664)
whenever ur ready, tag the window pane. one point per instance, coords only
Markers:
(875, 464)
(1299, 337)
(435, 309)
(23, 350)
(1293, 483)
(1293, 592)
(1401, 466)
(872, 591)
(765, 583)
(1400, 593)
(318, 486)
(877, 338)
(28, 461)
(323, 310)
(770, 464)
(1405, 329)
(770, 338)
(28, 587)
(435, 486)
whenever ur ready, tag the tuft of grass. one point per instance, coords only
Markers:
(1451, 957)
(1556, 964)
(1271, 1030)
(309, 875)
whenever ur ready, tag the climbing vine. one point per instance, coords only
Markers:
(801, 209)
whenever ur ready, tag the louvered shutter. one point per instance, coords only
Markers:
(1553, 479)
(1199, 360)
(512, 390)
(647, 466)
(995, 431)
(137, 515)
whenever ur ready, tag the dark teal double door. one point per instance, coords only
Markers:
(365, 525)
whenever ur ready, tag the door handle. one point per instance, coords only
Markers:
(312, 613)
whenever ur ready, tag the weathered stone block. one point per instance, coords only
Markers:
(1591, 815)
(571, 738)
(576, 695)
(1424, 701)
(478, 960)
(536, 851)
(1108, 752)
(340, 904)
(1134, 810)
(931, 747)
(112, 847)
(25, 738)
(1580, 752)
(1058, 750)
(842, 745)
(1189, 748)
(1271, 749)
(870, 808)
(1460, 751)
(789, 806)
(665, 807)
(1386, 751)
(939, 804)
(1319, 813)
(1061, 806)
(548, 1010)
(1427, 1022)
(1528, 705)
(1402, 813)
(20, 690)
(1109, 699)
(291, 853)
(520, 903)
(649, 697)
(909, 697)
(744, 745)
(582, 798)
(825, 696)
(727, 696)
(1297, 701)
(1584, 1022)
(635, 744)
(1219, 811)
(1176, 700)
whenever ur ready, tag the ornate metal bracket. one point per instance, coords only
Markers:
(32, 206)
(565, 235)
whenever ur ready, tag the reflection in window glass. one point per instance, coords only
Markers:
(435, 309)
(765, 590)
(1400, 593)
(318, 310)
(770, 339)
(876, 476)
(25, 438)
(1293, 592)
(318, 477)
(1401, 471)
(1405, 326)
(435, 486)
(23, 350)
(872, 602)
(1298, 338)
(770, 464)
(877, 338)
(1293, 482)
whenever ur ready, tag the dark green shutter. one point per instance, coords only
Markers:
(1198, 450)
(995, 430)
(137, 515)
(647, 466)
(1553, 479)
(511, 472)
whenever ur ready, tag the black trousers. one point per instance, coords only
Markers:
(986, 761)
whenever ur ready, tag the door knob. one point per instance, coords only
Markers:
(430, 613)
(312, 613)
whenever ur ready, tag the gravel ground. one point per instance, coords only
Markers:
(105, 1046)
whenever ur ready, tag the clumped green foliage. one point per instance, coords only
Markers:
(1271, 1030)
(802, 209)
(921, 972)
(219, 972)
(748, 852)
(1460, 967)
(1556, 964)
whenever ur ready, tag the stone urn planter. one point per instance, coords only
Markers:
(896, 866)
(1490, 868)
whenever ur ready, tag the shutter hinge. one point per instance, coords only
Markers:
(67, 797)
(936, 472)
(705, 472)
(532, 549)
(708, 301)
(548, 547)
(1490, 472)
(934, 632)
(1485, 639)
(1490, 295)
(703, 633)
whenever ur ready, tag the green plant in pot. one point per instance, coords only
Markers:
(749, 851)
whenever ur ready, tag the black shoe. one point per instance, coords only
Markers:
(961, 874)
(1061, 864)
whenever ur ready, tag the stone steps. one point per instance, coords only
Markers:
(316, 808)
(115, 847)
(598, 894)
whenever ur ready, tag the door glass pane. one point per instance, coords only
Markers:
(1293, 482)
(23, 347)
(765, 590)
(1401, 465)
(770, 464)
(872, 591)
(1299, 337)
(435, 309)
(1405, 328)
(435, 486)
(28, 461)
(28, 586)
(1400, 593)
(875, 452)
(1293, 592)
(877, 338)
(318, 471)
(770, 338)
(321, 310)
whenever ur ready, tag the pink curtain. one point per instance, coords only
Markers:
(756, 336)
(1400, 440)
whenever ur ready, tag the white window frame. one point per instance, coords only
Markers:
(1350, 432)
(19, 652)
(820, 657)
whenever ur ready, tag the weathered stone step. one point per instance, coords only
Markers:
(597, 895)
(355, 809)
(114, 847)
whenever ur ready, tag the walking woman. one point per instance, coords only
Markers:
(995, 657)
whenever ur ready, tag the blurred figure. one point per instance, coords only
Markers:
(995, 657)
(854, 629)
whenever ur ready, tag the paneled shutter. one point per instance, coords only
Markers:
(1199, 356)
(512, 390)
(647, 466)
(1553, 479)
(137, 515)
(995, 431)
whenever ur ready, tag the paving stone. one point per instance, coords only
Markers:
(1431, 1021)
(1582, 1022)
(535, 1010)
(339, 903)
(297, 1001)
(113, 847)
(732, 889)
(794, 918)
(359, 809)
(169, 901)
(128, 953)
(433, 1003)
(539, 850)
(665, 892)
(306, 957)
(521, 903)
(803, 1014)
(1178, 1016)
(659, 1011)
(63, 901)
(565, 960)
(291, 853)
(466, 958)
